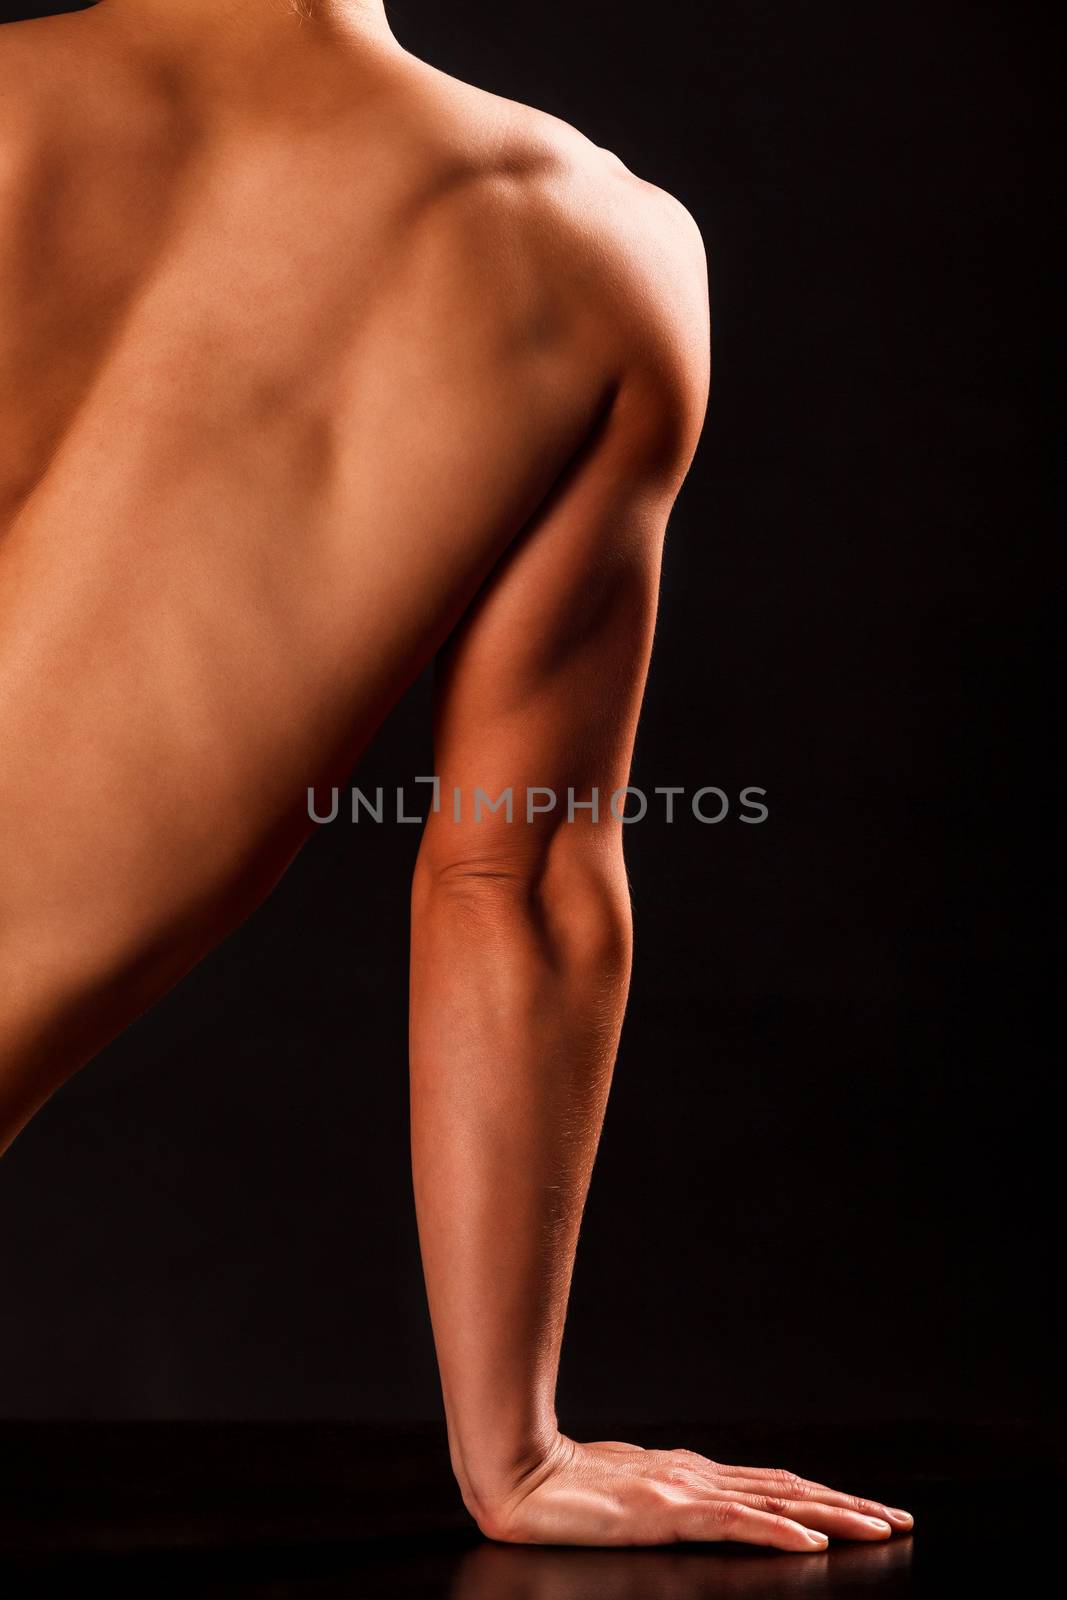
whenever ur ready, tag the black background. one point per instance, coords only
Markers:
(820, 1189)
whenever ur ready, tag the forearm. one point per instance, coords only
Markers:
(517, 1002)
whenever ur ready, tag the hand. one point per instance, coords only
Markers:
(609, 1493)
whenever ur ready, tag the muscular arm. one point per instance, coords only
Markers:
(520, 967)
(521, 940)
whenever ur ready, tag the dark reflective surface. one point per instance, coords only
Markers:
(325, 1510)
(493, 1572)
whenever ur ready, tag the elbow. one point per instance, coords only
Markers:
(574, 897)
(585, 900)
(481, 887)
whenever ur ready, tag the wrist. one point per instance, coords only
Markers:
(493, 1470)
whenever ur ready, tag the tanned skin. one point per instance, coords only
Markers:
(317, 363)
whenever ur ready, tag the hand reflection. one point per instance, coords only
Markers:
(529, 1572)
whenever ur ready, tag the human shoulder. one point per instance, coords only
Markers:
(503, 153)
(587, 218)
(71, 87)
(47, 66)
(637, 256)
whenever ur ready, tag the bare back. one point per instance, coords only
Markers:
(290, 358)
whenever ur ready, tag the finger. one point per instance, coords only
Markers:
(773, 1480)
(738, 1523)
(838, 1521)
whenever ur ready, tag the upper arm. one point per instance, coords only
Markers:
(541, 684)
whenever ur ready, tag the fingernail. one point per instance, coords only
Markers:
(819, 1539)
(905, 1518)
(878, 1524)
